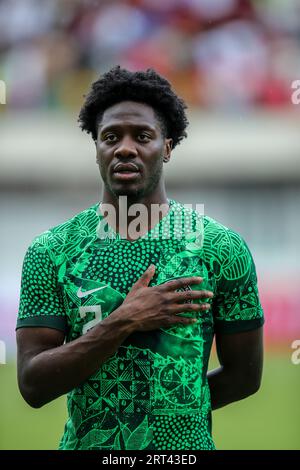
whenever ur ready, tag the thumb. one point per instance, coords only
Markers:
(145, 278)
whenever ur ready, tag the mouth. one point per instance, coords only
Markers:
(126, 171)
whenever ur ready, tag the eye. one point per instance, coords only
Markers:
(143, 137)
(110, 138)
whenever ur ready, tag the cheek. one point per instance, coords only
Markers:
(154, 168)
(155, 157)
(101, 158)
(102, 164)
(157, 162)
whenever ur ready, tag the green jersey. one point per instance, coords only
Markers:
(152, 393)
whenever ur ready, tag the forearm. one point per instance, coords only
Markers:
(239, 375)
(56, 371)
(227, 386)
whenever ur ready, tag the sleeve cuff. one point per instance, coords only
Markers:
(46, 321)
(223, 326)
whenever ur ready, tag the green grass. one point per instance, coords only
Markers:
(270, 418)
(267, 420)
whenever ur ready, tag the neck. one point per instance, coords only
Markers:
(132, 216)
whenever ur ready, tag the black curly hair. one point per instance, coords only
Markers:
(144, 87)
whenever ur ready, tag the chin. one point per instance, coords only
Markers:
(130, 192)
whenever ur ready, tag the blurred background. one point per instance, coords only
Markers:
(234, 63)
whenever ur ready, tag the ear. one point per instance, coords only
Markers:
(95, 142)
(167, 150)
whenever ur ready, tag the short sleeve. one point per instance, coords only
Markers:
(236, 306)
(41, 302)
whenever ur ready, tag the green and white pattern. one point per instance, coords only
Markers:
(152, 393)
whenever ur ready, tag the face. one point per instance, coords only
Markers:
(131, 149)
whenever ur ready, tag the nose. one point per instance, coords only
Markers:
(126, 148)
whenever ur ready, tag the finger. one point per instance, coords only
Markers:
(183, 320)
(145, 278)
(182, 282)
(190, 308)
(191, 295)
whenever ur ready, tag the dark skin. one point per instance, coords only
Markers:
(131, 133)
(48, 368)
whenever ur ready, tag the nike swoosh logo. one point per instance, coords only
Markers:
(81, 294)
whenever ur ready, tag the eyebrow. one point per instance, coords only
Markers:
(116, 126)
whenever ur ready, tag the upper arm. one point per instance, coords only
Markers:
(41, 300)
(32, 341)
(242, 355)
(238, 315)
(236, 306)
(42, 321)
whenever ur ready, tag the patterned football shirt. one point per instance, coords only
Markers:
(153, 392)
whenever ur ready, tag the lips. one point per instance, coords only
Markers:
(126, 171)
(125, 168)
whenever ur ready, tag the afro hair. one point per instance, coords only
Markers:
(146, 87)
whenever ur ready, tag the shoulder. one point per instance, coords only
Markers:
(226, 252)
(219, 236)
(65, 238)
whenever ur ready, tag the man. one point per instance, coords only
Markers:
(123, 320)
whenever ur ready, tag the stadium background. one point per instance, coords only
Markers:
(233, 61)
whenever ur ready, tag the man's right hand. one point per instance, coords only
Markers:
(150, 308)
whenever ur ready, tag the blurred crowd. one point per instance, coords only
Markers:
(229, 54)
